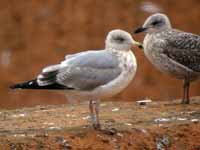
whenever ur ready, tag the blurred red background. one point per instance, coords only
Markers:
(34, 34)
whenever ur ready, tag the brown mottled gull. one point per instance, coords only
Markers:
(172, 51)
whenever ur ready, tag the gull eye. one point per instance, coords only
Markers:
(119, 39)
(155, 23)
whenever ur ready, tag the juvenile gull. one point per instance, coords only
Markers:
(172, 51)
(91, 75)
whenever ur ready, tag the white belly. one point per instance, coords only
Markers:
(129, 66)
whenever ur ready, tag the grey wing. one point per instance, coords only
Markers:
(99, 59)
(86, 78)
(183, 48)
(84, 71)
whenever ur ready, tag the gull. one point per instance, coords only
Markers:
(91, 75)
(172, 51)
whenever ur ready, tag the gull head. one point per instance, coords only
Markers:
(120, 40)
(155, 23)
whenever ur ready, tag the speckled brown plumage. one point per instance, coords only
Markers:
(172, 51)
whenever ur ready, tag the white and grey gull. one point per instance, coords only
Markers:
(91, 75)
(172, 51)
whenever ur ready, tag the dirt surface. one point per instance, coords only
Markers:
(125, 126)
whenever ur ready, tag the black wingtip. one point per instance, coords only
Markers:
(32, 84)
(25, 85)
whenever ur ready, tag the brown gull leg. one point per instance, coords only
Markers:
(94, 113)
(186, 86)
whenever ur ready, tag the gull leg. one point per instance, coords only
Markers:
(187, 93)
(186, 86)
(92, 115)
(183, 98)
(96, 109)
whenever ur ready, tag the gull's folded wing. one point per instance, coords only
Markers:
(184, 48)
(83, 71)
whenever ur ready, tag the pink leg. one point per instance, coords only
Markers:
(96, 109)
(94, 113)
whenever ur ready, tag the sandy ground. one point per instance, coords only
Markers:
(125, 125)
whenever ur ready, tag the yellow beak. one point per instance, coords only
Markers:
(137, 43)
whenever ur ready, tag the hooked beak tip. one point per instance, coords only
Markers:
(138, 44)
(141, 46)
(139, 30)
